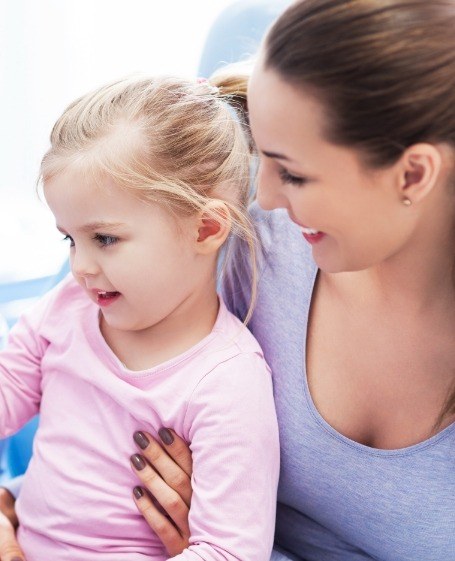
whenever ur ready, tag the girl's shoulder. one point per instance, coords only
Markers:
(62, 304)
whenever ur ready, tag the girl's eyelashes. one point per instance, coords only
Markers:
(105, 240)
(287, 177)
(102, 239)
(68, 238)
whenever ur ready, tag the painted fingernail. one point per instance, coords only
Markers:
(141, 440)
(138, 493)
(166, 436)
(138, 461)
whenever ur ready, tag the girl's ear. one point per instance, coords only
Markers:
(420, 169)
(213, 227)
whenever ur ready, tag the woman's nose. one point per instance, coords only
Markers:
(270, 194)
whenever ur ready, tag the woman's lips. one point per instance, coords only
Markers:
(313, 238)
(311, 235)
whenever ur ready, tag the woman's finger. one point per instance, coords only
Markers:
(9, 548)
(178, 449)
(173, 540)
(7, 506)
(177, 476)
(174, 505)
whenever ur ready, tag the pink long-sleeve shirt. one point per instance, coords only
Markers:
(76, 499)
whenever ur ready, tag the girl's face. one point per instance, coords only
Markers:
(352, 216)
(126, 254)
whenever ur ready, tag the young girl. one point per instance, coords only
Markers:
(146, 179)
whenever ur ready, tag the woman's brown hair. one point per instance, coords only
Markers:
(384, 70)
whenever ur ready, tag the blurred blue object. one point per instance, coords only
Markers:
(19, 447)
(237, 32)
(2, 468)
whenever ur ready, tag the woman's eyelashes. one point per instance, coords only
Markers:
(287, 177)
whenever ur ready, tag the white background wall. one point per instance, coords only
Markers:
(52, 51)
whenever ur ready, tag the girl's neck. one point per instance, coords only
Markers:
(184, 328)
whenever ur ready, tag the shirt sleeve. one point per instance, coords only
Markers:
(234, 442)
(20, 372)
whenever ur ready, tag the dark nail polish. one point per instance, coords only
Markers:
(138, 461)
(166, 436)
(141, 440)
(138, 493)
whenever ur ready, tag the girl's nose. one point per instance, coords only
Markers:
(82, 264)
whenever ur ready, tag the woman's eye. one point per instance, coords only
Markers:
(286, 177)
(105, 240)
(69, 239)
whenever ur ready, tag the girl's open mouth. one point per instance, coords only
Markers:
(105, 298)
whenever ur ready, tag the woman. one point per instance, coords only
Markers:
(352, 109)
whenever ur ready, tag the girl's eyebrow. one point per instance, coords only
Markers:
(91, 226)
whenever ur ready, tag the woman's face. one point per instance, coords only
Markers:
(352, 215)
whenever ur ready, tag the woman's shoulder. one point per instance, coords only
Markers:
(284, 253)
(272, 226)
(284, 267)
(277, 234)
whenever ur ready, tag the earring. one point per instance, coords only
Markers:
(406, 201)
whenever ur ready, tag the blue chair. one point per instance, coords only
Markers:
(237, 32)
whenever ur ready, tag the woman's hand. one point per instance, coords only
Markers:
(165, 495)
(9, 548)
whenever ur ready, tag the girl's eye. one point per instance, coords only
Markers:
(69, 239)
(105, 240)
(286, 177)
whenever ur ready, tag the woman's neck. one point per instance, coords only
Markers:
(419, 278)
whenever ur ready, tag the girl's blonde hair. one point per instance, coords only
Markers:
(177, 142)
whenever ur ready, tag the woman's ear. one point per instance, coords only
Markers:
(420, 167)
(213, 227)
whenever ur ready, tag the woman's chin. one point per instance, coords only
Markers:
(336, 264)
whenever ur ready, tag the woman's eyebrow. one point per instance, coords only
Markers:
(276, 155)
